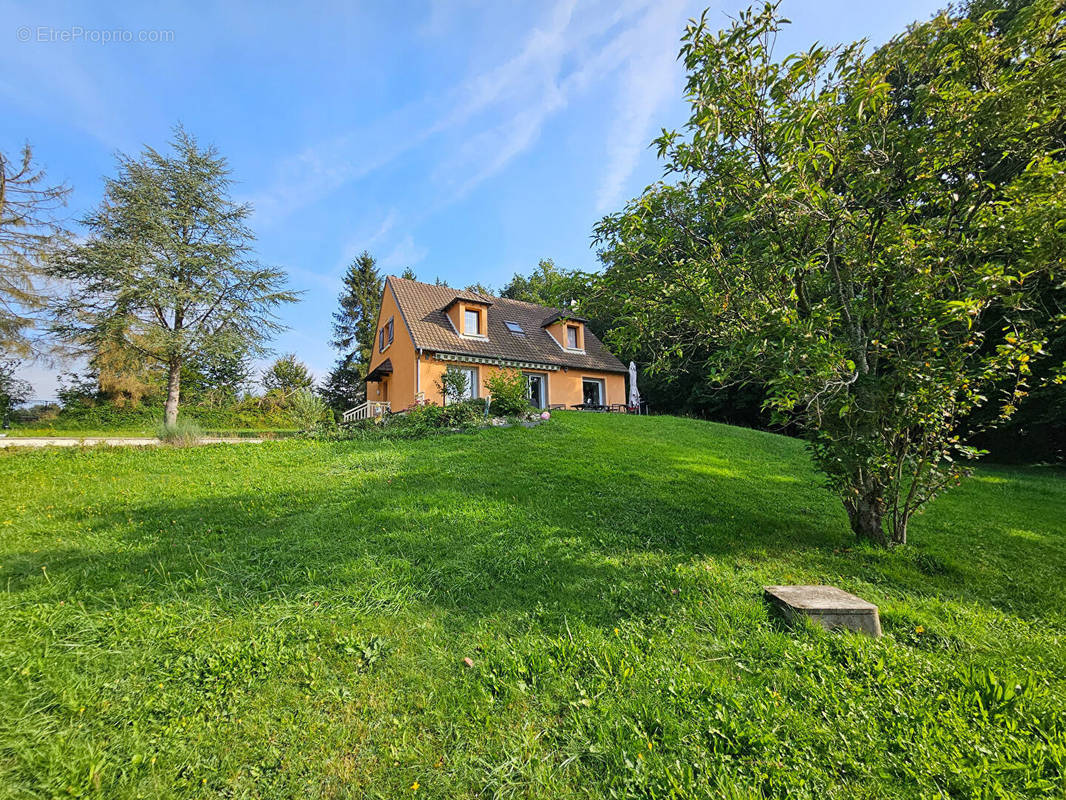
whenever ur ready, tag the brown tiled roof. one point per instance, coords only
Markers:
(422, 308)
(473, 297)
(558, 315)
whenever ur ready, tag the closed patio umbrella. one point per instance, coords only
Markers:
(634, 395)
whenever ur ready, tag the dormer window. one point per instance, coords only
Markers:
(571, 337)
(472, 322)
(467, 316)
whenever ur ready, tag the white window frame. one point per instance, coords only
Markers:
(543, 386)
(472, 381)
(601, 390)
(466, 319)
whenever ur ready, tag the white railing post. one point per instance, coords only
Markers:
(366, 411)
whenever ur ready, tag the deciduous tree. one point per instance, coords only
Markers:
(288, 375)
(878, 238)
(14, 391)
(547, 285)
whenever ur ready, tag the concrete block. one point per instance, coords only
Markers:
(829, 606)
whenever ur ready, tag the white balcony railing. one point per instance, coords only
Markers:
(366, 411)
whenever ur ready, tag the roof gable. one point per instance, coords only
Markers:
(423, 307)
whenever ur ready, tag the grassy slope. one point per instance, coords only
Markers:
(292, 618)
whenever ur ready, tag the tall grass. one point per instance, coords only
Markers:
(182, 433)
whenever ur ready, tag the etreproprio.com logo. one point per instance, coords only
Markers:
(47, 34)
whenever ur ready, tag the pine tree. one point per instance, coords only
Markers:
(28, 231)
(343, 388)
(353, 332)
(360, 300)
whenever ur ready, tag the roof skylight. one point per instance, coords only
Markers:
(515, 328)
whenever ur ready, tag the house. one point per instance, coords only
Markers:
(423, 330)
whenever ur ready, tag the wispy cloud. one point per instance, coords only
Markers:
(57, 75)
(650, 76)
(405, 254)
(324, 167)
(365, 239)
(537, 84)
(498, 114)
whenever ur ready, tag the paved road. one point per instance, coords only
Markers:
(115, 441)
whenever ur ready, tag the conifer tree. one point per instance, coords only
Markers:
(353, 332)
(28, 231)
(168, 270)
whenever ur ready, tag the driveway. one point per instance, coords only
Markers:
(114, 441)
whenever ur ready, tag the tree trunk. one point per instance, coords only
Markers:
(866, 514)
(170, 414)
(899, 532)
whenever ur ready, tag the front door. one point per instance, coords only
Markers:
(535, 390)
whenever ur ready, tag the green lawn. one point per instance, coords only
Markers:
(291, 619)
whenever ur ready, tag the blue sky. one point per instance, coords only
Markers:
(464, 139)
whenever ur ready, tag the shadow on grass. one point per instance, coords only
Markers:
(477, 531)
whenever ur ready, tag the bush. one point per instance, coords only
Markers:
(424, 418)
(309, 411)
(183, 432)
(464, 414)
(509, 392)
(415, 423)
(452, 385)
(41, 412)
(104, 416)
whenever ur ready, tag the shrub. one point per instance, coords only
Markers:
(105, 416)
(464, 414)
(415, 423)
(308, 410)
(182, 433)
(509, 393)
(41, 412)
(424, 418)
(452, 385)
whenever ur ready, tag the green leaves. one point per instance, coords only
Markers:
(167, 271)
(860, 233)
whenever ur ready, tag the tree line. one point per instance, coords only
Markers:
(163, 284)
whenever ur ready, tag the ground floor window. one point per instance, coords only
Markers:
(537, 389)
(592, 392)
(470, 373)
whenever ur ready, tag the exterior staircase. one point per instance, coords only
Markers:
(367, 411)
